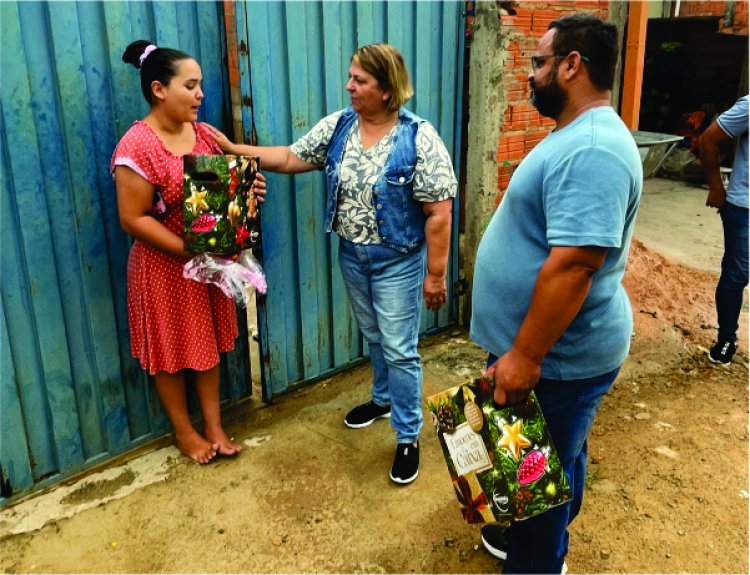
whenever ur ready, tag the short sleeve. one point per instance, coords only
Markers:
(313, 146)
(434, 179)
(585, 199)
(734, 120)
(133, 151)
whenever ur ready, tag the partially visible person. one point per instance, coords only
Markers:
(548, 303)
(732, 205)
(178, 327)
(390, 186)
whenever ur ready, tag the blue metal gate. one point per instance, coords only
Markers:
(70, 393)
(294, 59)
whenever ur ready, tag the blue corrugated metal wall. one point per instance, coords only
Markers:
(294, 69)
(70, 393)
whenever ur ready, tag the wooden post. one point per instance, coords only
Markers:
(230, 25)
(635, 53)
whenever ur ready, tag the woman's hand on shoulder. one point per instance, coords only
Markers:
(226, 145)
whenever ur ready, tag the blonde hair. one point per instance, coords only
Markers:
(386, 64)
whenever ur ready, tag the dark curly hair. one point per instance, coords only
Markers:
(160, 64)
(593, 38)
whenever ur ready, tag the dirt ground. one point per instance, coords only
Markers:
(668, 478)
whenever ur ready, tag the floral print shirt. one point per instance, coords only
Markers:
(355, 221)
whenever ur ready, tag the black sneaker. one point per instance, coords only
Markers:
(722, 352)
(363, 415)
(406, 463)
(493, 539)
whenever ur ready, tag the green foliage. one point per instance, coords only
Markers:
(591, 477)
(671, 46)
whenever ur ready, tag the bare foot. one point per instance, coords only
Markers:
(195, 447)
(225, 445)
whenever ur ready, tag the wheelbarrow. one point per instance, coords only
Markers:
(654, 149)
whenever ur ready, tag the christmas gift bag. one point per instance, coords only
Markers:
(502, 462)
(220, 212)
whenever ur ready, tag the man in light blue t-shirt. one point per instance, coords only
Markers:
(548, 303)
(732, 204)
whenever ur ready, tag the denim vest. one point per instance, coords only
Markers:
(400, 219)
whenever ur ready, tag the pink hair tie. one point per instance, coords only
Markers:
(150, 48)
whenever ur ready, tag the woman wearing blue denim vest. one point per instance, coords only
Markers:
(390, 186)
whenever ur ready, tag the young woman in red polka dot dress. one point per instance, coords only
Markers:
(177, 326)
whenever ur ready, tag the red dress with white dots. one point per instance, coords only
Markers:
(175, 323)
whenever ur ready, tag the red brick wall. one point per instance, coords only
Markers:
(718, 8)
(522, 127)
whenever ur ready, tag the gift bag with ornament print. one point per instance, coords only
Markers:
(220, 211)
(502, 462)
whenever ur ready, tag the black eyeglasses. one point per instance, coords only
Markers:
(538, 61)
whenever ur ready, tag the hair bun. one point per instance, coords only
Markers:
(134, 51)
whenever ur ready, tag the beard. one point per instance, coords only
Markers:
(549, 100)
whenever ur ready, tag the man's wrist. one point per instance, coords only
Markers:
(528, 356)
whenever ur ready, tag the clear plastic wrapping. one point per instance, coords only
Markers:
(233, 278)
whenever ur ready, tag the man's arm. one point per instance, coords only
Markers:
(559, 292)
(437, 232)
(711, 142)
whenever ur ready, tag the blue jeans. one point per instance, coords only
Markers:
(385, 292)
(733, 278)
(539, 544)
